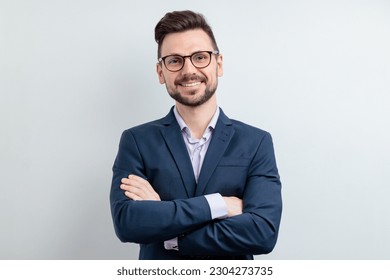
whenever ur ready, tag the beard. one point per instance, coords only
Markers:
(199, 100)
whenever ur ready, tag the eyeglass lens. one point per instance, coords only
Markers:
(176, 62)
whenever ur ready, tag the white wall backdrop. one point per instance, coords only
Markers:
(75, 74)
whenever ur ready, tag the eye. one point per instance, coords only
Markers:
(199, 57)
(173, 60)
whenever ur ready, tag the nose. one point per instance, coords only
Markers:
(188, 67)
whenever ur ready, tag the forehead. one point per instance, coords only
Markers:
(186, 42)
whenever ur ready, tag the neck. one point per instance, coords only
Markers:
(197, 118)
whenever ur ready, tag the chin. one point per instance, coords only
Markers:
(193, 98)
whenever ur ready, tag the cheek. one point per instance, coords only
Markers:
(212, 77)
(166, 77)
(169, 76)
(169, 81)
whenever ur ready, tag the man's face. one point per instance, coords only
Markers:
(190, 86)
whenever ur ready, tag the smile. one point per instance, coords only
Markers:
(191, 85)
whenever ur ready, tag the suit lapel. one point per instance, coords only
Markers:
(174, 140)
(219, 142)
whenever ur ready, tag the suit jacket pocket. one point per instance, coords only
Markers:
(228, 161)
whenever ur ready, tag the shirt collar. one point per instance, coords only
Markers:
(183, 125)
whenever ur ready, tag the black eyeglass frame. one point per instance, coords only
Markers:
(162, 59)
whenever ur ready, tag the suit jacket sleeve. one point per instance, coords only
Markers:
(256, 230)
(149, 221)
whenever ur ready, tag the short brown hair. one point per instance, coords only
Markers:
(180, 21)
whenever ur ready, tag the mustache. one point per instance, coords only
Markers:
(190, 78)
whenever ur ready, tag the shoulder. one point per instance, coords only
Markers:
(148, 126)
(250, 133)
(152, 126)
(243, 129)
(144, 132)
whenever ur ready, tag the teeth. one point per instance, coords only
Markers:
(191, 85)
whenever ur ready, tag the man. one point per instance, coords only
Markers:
(195, 184)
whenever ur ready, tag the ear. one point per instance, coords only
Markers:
(160, 73)
(219, 65)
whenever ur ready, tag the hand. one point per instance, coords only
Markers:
(234, 205)
(137, 188)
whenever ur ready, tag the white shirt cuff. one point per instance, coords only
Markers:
(171, 244)
(218, 207)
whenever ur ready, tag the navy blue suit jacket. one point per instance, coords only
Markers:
(239, 162)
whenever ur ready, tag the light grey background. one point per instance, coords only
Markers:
(75, 74)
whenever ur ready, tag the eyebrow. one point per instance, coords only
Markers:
(183, 55)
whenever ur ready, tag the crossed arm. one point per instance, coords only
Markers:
(251, 226)
(138, 189)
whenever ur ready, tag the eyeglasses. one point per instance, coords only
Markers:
(176, 62)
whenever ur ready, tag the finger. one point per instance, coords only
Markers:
(132, 183)
(126, 181)
(125, 187)
(132, 196)
(141, 182)
(137, 178)
(132, 178)
(145, 190)
(140, 192)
